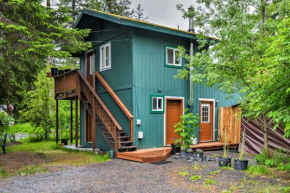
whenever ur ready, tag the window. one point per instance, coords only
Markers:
(92, 64)
(205, 113)
(157, 104)
(105, 57)
(173, 57)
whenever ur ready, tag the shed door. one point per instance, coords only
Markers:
(206, 121)
(173, 113)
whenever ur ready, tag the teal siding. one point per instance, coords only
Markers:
(204, 92)
(150, 74)
(119, 77)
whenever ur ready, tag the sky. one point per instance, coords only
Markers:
(164, 12)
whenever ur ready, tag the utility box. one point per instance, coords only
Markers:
(140, 134)
(138, 122)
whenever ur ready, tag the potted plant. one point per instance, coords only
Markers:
(183, 153)
(241, 164)
(54, 71)
(185, 130)
(189, 152)
(199, 153)
(225, 160)
(175, 147)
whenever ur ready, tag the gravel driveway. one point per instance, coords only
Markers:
(125, 176)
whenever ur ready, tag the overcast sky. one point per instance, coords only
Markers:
(164, 12)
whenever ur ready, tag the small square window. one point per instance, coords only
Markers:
(105, 57)
(173, 57)
(157, 104)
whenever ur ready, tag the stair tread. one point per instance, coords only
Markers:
(129, 147)
(124, 142)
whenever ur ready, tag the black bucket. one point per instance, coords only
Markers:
(225, 162)
(64, 141)
(54, 71)
(173, 149)
(60, 72)
(240, 164)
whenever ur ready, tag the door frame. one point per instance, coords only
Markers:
(86, 70)
(165, 108)
(213, 103)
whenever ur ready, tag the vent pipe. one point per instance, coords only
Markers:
(190, 28)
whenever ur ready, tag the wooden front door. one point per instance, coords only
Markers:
(90, 68)
(174, 109)
(206, 121)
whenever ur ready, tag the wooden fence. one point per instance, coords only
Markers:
(229, 120)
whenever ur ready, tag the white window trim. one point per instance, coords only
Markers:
(213, 117)
(173, 57)
(157, 104)
(164, 118)
(110, 56)
(205, 105)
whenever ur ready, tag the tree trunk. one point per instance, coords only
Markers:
(74, 10)
(266, 143)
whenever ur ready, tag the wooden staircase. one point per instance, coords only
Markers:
(74, 86)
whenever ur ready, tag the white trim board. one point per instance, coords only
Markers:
(164, 118)
(210, 100)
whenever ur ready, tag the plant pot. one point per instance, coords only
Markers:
(240, 164)
(60, 72)
(48, 74)
(173, 149)
(199, 155)
(66, 70)
(177, 149)
(111, 154)
(54, 71)
(225, 162)
(64, 141)
(183, 154)
(189, 154)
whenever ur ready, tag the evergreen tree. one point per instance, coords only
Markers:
(31, 34)
(138, 13)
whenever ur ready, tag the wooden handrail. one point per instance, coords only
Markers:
(100, 101)
(118, 101)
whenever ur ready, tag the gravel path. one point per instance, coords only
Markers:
(125, 176)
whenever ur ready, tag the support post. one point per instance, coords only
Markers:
(56, 124)
(94, 124)
(71, 121)
(76, 122)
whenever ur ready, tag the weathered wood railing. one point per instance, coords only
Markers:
(118, 101)
(66, 84)
(100, 109)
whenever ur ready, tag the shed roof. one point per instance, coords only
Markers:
(136, 23)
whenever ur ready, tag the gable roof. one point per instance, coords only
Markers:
(136, 23)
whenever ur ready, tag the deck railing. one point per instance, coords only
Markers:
(66, 83)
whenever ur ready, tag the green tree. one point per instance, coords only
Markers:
(39, 106)
(138, 13)
(238, 60)
(31, 34)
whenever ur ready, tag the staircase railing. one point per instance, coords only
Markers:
(101, 109)
(118, 101)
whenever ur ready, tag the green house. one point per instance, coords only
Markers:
(131, 68)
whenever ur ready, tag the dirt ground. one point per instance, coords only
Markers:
(125, 176)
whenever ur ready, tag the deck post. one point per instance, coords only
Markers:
(71, 121)
(94, 124)
(76, 122)
(56, 137)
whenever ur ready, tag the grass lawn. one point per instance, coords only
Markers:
(38, 157)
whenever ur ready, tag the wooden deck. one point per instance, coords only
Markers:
(146, 155)
(213, 146)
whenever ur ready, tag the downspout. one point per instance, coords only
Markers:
(191, 84)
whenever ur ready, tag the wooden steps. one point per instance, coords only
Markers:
(146, 155)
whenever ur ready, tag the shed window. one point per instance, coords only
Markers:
(105, 57)
(173, 57)
(205, 113)
(157, 104)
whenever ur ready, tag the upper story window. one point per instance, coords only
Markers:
(92, 64)
(105, 57)
(173, 57)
